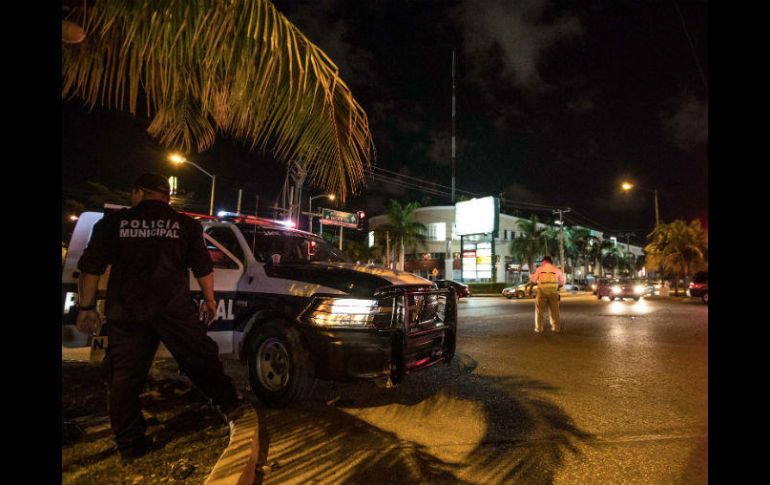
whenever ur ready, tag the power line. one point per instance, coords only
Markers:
(439, 188)
(692, 47)
(423, 181)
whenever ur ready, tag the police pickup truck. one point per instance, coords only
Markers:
(294, 309)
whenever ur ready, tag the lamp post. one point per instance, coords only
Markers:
(626, 186)
(179, 159)
(310, 208)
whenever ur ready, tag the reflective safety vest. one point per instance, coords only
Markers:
(548, 282)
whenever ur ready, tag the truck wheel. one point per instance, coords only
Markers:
(705, 298)
(519, 294)
(280, 372)
(599, 297)
(509, 296)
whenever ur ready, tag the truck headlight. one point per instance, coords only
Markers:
(348, 312)
(616, 289)
(639, 289)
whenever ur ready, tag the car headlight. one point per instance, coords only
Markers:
(639, 289)
(349, 312)
(616, 289)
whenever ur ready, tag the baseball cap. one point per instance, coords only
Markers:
(154, 182)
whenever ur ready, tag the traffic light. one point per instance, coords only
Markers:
(361, 219)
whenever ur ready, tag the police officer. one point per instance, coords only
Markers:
(150, 247)
(548, 279)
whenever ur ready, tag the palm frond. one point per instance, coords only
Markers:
(231, 67)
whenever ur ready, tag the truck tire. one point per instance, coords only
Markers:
(280, 372)
(519, 294)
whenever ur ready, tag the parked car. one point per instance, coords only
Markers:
(699, 286)
(600, 283)
(522, 290)
(577, 286)
(621, 288)
(461, 290)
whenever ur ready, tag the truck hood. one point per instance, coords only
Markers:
(353, 279)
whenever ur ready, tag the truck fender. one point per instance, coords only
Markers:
(252, 324)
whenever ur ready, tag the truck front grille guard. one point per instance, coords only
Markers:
(418, 311)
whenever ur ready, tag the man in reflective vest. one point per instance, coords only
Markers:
(548, 279)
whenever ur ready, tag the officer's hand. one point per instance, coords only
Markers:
(87, 321)
(209, 312)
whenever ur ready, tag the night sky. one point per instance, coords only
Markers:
(557, 102)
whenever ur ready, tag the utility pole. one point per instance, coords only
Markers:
(561, 237)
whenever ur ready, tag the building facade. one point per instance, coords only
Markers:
(442, 257)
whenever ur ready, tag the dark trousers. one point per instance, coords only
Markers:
(131, 348)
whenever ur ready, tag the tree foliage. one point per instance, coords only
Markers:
(202, 67)
(402, 229)
(680, 248)
(529, 243)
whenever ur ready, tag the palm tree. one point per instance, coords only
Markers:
(528, 244)
(199, 67)
(402, 229)
(612, 258)
(580, 238)
(551, 242)
(678, 247)
(569, 252)
(597, 251)
(362, 253)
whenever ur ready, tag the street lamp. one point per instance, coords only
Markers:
(179, 159)
(310, 208)
(626, 186)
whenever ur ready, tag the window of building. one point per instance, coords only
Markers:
(437, 231)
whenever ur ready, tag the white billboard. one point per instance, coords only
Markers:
(477, 216)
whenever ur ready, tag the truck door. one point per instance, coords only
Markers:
(71, 337)
(229, 261)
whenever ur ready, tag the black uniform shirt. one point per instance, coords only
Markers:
(150, 247)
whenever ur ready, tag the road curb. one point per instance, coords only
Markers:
(238, 463)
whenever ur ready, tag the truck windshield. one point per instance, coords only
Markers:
(294, 247)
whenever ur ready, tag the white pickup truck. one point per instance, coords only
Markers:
(294, 308)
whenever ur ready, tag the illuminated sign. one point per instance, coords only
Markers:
(469, 264)
(339, 218)
(477, 216)
(484, 260)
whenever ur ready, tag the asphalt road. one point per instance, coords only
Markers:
(619, 397)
